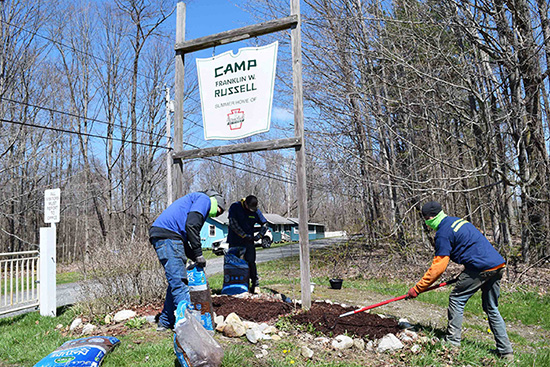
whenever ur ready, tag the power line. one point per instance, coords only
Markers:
(80, 133)
(155, 135)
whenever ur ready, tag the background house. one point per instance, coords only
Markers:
(283, 229)
(315, 230)
(214, 229)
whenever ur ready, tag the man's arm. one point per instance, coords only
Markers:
(439, 264)
(236, 227)
(193, 225)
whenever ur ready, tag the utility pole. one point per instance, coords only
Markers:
(177, 165)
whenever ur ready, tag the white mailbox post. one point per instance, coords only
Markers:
(52, 203)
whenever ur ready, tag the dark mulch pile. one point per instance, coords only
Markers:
(251, 309)
(324, 318)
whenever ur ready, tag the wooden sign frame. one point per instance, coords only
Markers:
(182, 47)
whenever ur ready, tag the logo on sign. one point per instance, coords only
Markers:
(235, 119)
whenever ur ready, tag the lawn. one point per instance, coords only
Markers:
(30, 337)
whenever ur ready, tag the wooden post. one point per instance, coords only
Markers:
(169, 160)
(177, 165)
(296, 39)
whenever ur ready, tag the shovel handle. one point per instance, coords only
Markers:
(396, 299)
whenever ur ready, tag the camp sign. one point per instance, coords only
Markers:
(237, 92)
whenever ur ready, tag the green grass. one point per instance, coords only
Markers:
(28, 338)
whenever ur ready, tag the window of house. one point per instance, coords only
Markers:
(212, 230)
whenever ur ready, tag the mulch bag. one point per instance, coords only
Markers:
(80, 352)
(193, 344)
(201, 296)
(235, 275)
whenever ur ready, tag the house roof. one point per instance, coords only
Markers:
(296, 221)
(277, 219)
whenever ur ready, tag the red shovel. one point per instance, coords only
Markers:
(396, 299)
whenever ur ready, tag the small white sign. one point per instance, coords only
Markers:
(237, 92)
(52, 203)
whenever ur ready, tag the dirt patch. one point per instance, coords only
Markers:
(251, 309)
(324, 317)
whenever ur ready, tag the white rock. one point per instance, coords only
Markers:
(76, 323)
(359, 343)
(306, 352)
(307, 336)
(275, 337)
(265, 346)
(88, 329)
(424, 339)
(370, 346)
(232, 317)
(108, 319)
(282, 334)
(59, 326)
(124, 315)
(411, 334)
(389, 343)
(263, 326)
(250, 325)
(266, 337)
(406, 339)
(220, 327)
(416, 348)
(342, 342)
(329, 302)
(253, 335)
(150, 319)
(219, 320)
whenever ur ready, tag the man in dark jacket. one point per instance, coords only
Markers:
(458, 240)
(243, 215)
(175, 234)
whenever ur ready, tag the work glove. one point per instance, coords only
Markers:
(257, 237)
(412, 293)
(200, 262)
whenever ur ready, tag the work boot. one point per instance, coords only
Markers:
(509, 357)
(162, 328)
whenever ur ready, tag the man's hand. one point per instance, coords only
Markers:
(412, 293)
(200, 261)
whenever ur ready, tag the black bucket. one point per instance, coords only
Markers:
(336, 283)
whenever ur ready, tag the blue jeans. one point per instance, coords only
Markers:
(171, 254)
(469, 282)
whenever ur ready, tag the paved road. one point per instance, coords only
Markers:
(67, 294)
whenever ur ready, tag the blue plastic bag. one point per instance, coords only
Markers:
(80, 352)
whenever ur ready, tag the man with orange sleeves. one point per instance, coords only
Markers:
(458, 240)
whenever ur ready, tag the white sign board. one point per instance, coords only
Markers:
(52, 202)
(237, 92)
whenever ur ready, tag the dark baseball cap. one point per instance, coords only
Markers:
(431, 209)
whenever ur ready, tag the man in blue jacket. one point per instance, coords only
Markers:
(459, 241)
(243, 215)
(175, 234)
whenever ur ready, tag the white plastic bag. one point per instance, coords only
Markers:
(194, 346)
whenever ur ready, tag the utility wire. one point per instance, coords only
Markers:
(154, 135)
(80, 133)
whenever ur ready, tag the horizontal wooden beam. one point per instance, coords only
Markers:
(238, 34)
(238, 148)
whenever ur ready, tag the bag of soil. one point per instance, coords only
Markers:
(193, 344)
(201, 297)
(80, 352)
(235, 275)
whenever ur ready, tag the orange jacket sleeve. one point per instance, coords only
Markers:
(439, 264)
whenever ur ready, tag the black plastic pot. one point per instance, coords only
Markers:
(336, 283)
